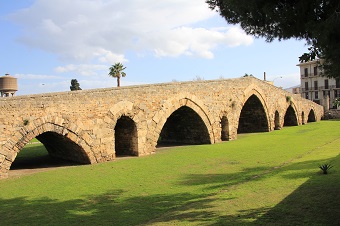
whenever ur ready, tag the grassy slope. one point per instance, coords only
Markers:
(267, 178)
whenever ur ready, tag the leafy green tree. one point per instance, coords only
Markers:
(246, 75)
(336, 102)
(316, 21)
(74, 85)
(116, 71)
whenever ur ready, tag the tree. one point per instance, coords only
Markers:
(74, 85)
(116, 71)
(246, 75)
(316, 21)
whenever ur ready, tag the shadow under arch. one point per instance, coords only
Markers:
(173, 104)
(126, 137)
(183, 126)
(311, 116)
(55, 151)
(59, 146)
(225, 131)
(253, 116)
(290, 118)
(59, 140)
(277, 125)
(127, 121)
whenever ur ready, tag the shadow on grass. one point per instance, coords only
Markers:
(315, 202)
(223, 181)
(104, 209)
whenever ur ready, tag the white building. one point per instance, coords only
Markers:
(316, 86)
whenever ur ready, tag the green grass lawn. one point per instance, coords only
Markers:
(260, 179)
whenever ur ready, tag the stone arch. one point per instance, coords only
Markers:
(311, 116)
(191, 104)
(259, 93)
(126, 137)
(184, 126)
(121, 108)
(61, 139)
(253, 116)
(132, 116)
(277, 124)
(290, 118)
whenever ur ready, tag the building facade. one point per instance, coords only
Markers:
(316, 86)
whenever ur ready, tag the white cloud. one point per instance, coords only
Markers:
(104, 30)
(82, 69)
(36, 77)
(106, 56)
(195, 41)
(286, 81)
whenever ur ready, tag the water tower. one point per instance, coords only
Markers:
(8, 85)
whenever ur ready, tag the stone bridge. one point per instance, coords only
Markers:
(92, 126)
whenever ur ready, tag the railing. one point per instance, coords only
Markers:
(327, 87)
(309, 75)
(320, 88)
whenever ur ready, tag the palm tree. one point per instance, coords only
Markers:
(116, 71)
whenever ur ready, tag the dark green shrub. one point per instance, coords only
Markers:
(325, 168)
(26, 122)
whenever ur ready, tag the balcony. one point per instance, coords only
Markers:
(332, 87)
(309, 75)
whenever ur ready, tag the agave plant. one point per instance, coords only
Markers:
(325, 168)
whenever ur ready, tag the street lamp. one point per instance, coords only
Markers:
(276, 78)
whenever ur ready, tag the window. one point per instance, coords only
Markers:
(306, 72)
(326, 83)
(326, 93)
(336, 94)
(315, 85)
(306, 96)
(315, 70)
(337, 83)
(306, 86)
(316, 95)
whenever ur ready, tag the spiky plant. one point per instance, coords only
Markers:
(325, 168)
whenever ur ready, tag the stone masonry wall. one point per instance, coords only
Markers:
(88, 117)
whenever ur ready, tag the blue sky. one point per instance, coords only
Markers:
(45, 44)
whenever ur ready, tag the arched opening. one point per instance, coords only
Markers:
(126, 139)
(303, 117)
(48, 150)
(277, 125)
(184, 126)
(311, 116)
(290, 117)
(224, 129)
(253, 117)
